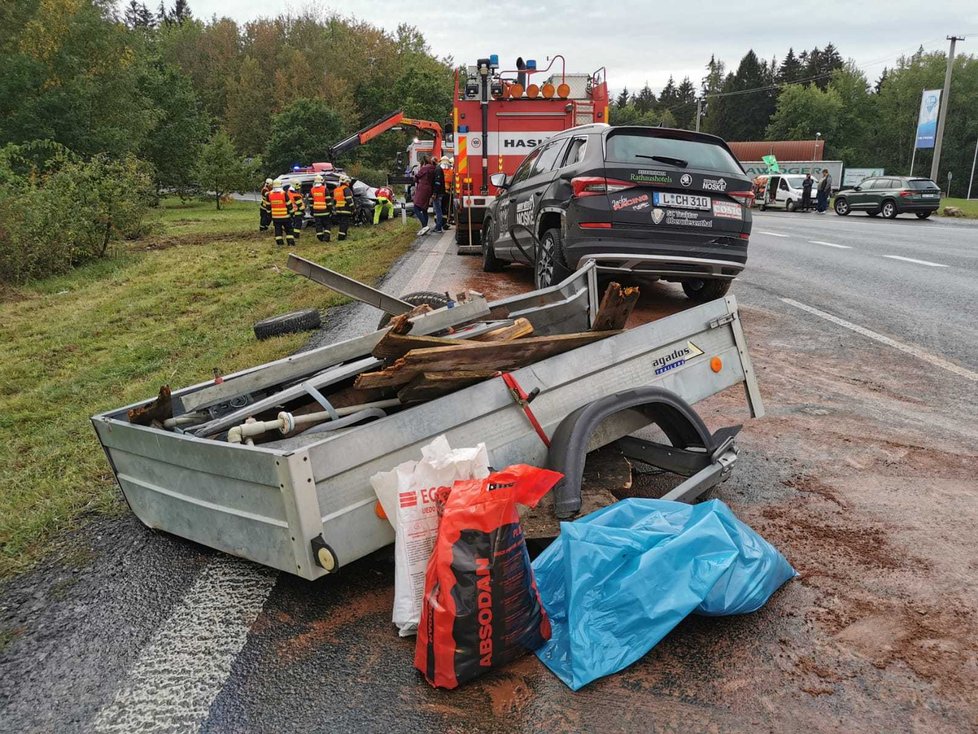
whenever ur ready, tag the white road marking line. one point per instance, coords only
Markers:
(909, 349)
(773, 234)
(185, 665)
(830, 244)
(919, 262)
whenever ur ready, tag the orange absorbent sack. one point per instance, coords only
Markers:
(481, 608)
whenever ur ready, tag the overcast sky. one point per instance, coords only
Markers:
(639, 41)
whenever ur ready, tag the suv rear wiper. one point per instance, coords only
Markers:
(665, 159)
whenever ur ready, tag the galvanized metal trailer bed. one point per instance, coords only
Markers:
(306, 510)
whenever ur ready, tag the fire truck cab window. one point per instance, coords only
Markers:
(575, 151)
(523, 172)
(548, 156)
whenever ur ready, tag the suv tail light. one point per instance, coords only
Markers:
(906, 194)
(597, 185)
(744, 197)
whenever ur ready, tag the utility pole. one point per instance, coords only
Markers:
(699, 112)
(973, 160)
(943, 113)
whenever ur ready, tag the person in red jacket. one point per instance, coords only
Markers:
(424, 188)
(385, 200)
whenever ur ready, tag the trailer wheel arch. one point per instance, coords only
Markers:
(568, 450)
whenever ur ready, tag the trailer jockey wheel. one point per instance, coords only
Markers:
(325, 556)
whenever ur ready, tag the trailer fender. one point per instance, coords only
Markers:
(677, 419)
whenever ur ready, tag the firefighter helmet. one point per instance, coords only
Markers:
(268, 182)
(277, 183)
(318, 180)
(344, 178)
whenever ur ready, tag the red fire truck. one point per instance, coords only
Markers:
(501, 115)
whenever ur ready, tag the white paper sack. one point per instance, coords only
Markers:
(407, 496)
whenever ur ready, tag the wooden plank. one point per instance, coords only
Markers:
(395, 346)
(481, 356)
(430, 385)
(315, 360)
(616, 306)
(520, 328)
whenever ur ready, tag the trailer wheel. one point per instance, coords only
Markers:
(701, 291)
(288, 323)
(435, 300)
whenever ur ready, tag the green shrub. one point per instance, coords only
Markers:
(65, 211)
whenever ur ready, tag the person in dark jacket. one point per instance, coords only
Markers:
(424, 187)
(806, 192)
(436, 200)
(824, 191)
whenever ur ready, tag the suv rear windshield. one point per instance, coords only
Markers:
(636, 148)
(923, 184)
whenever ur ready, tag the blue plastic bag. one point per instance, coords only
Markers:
(618, 580)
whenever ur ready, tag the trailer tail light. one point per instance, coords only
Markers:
(597, 185)
(744, 197)
(595, 225)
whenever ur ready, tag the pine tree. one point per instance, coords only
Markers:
(669, 96)
(881, 81)
(685, 111)
(790, 70)
(644, 101)
(622, 99)
(162, 16)
(181, 11)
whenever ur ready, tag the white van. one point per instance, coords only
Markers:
(784, 192)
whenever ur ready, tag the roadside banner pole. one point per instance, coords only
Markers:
(973, 160)
(941, 118)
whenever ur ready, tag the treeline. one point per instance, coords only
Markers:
(864, 123)
(195, 106)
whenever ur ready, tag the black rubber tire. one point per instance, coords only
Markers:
(845, 208)
(923, 215)
(789, 205)
(435, 300)
(559, 270)
(490, 263)
(288, 323)
(462, 236)
(889, 209)
(705, 290)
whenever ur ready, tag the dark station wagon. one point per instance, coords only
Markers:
(890, 196)
(652, 202)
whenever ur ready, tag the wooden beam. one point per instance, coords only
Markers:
(430, 385)
(394, 346)
(480, 356)
(616, 306)
(520, 328)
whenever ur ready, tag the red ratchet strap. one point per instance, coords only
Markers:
(523, 400)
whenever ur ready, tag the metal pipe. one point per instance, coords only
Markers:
(287, 422)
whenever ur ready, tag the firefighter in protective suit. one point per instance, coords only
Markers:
(343, 205)
(321, 203)
(385, 200)
(298, 207)
(280, 207)
(264, 210)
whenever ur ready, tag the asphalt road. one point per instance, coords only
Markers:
(125, 629)
(915, 280)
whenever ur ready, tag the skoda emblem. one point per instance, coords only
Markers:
(658, 215)
(686, 180)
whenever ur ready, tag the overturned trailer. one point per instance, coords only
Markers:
(305, 504)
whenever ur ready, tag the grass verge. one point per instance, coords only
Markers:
(166, 311)
(969, 207)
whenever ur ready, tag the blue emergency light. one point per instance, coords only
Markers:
(531, 64)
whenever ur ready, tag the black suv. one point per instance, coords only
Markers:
(644, 201)
(889, 196)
